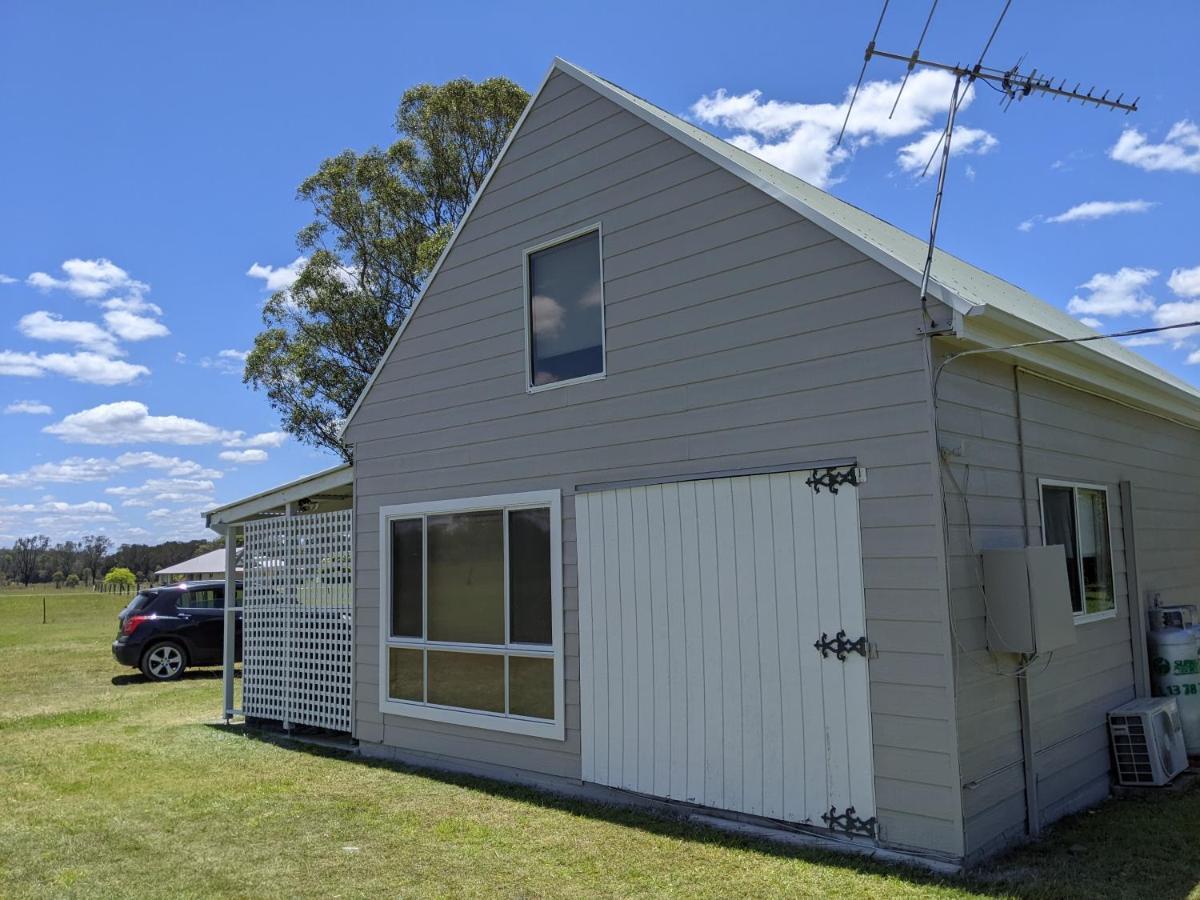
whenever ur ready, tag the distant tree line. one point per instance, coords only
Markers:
(86, 562)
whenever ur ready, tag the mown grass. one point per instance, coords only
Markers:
(111, 786)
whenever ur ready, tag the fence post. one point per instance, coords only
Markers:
(43, 609)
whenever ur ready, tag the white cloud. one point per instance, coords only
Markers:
(1179, 151)
(1028, 224)
(800, 137)
(58, 514)
(1090, 322)
(913, 157)
(244, 456)
(28, 407)
(1193, 358)
(1099, 209)
(1185, 282)
(89, 278)
(78, 469)
(74, 470)
(7, 279)
(1179, 312)
(278, 278)
(1144, 340)
(227, 362)
(182, 523)
(87, 367)
(263, 439)
(173, 465)
(48, 326)
(1117, 294)
(167, 490)
(130, 422)
(132, 327)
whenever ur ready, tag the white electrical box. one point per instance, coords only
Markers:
(1028, 600)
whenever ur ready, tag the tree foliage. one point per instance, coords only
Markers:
(381, 218)
(34, 560)
(26, 555)
(121, 578)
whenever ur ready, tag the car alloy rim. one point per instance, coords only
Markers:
(165, 661)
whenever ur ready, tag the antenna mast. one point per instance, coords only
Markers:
(1012, 83)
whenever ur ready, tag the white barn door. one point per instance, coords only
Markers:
(700, 605)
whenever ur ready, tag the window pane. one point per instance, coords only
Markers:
(1058, 512)
(406, 578)
(1098, 594)
(406, 674)
(529, 576)
(566, 326)
(201, 600)
(466, 578)
(469, 680)
(531, 687)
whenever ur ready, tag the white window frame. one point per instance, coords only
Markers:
(544, 728)
(1082, 618)
(530, 387)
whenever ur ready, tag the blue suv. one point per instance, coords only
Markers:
(165, 630)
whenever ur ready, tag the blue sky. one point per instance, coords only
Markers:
(154, 150)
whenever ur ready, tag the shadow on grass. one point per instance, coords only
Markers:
(657, 823)
(188, 675)
(1133, 847)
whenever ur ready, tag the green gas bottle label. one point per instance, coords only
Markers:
(1176, 690)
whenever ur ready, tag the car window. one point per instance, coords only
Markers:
(140, 601)
(202, 598)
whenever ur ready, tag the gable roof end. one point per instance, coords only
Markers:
(968, 290)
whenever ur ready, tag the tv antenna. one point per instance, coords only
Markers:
(1012, 84)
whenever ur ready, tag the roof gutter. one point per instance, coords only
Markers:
(1080, 366)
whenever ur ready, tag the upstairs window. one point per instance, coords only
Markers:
(1076, 516)
(564, 293)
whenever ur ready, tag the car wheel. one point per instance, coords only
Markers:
(163, 662)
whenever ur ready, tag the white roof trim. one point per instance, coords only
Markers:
(446, 250)
(1184, 398)
(264, 501)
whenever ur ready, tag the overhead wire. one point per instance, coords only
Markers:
(1025, 669)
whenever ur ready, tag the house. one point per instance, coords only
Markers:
(206, 565)
(671, 488)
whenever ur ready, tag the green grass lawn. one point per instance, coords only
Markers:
(111, 786)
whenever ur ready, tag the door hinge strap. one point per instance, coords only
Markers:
(849, 823)
(840, 646)
(831, 478)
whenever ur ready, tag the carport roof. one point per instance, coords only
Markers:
(336, 482)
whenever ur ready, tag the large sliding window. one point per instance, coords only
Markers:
(1076, 516)
(471, 612)
(564, 306)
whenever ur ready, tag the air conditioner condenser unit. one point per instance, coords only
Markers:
(1147, 741)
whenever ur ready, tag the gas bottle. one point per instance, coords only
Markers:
(1175, 665)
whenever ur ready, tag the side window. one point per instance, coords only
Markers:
(208, 598)
(1076, 516)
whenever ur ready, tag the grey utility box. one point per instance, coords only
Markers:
(1028, 600)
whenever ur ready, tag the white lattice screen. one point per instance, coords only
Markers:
(296, 626)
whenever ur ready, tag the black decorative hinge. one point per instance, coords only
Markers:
(849, 823)
(831, 478)
(840, 646)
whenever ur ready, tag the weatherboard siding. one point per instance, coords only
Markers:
(1069, 435)
(738, 335)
